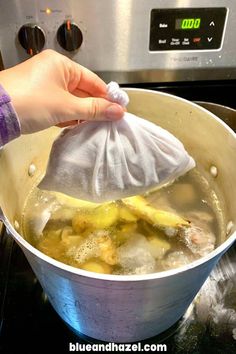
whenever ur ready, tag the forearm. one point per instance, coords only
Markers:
(9, 122)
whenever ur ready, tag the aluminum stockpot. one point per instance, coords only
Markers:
(124, 308)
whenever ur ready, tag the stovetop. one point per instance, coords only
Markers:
(28, 323)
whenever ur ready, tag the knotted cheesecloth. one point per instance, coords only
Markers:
(103, 161)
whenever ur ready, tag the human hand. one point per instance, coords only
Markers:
(50, 89)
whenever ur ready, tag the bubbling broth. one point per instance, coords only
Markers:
(164, 229)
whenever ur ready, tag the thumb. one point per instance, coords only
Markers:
(93, 108)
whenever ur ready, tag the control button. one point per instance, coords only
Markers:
(163, 25)
(209, 39)
(197, 40)
(175, 41)
(185, 41)
(32, 38)
(162, 41)
(69, 36)
(212, 24)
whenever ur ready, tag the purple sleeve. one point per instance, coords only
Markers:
(9, 122)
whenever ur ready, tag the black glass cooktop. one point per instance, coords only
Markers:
(28, 323)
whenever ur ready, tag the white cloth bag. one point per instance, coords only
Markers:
(101, 161)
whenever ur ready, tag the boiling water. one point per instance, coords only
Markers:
(131, 236)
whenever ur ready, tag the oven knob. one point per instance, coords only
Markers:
(69, 36)
(32, 38)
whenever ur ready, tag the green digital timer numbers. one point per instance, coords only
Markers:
(190, 23)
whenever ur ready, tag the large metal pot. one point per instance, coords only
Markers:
(124, 308)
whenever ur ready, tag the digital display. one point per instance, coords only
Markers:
(187, 23)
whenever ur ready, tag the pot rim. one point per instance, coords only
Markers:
(129, 278)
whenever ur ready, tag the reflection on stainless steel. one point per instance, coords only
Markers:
(212, 316)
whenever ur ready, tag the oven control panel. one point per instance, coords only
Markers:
(187, 29)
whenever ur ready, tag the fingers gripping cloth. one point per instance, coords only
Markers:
(101, 161)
